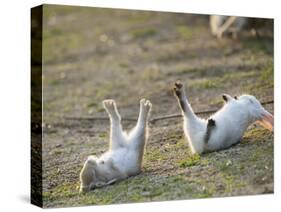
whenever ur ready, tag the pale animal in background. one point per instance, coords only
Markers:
(224, 128)
(222, 25)
(125, 154)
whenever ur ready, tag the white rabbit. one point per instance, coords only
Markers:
(224, 128)
(125, 154)
(220, 25)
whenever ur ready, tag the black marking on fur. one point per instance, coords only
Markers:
(182, 104)
(235, 97)
(224, 98)
(210, 126)
(178, 84)
(178, 94)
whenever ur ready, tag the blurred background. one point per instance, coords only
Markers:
(91, 54)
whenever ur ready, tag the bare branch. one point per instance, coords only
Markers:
(152, 121)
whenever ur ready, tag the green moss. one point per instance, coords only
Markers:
(137, 17)
(184, 32)
(143, 33)
(261, 45)
(155, 155)
(152, 73)
(229, 182)
(57, 151)
(103, 135)
(190, 161)
(92, 104)
(63, 191)
(104, 90)
(223, 80)
(205, 84)
(55, 82)
(183, 71)
(173, 187)
(124, 65)
(268, 74)
(264, 81)
(225, 164)
(205, 194)
(235, 75)
(217, 101)
(49, 33)
(181, 144)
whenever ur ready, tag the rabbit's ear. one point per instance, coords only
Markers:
(91, 161)
(88, 174)
(226, 97)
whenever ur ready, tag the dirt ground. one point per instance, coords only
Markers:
(94, 54)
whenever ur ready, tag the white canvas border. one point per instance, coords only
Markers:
(15, 104)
